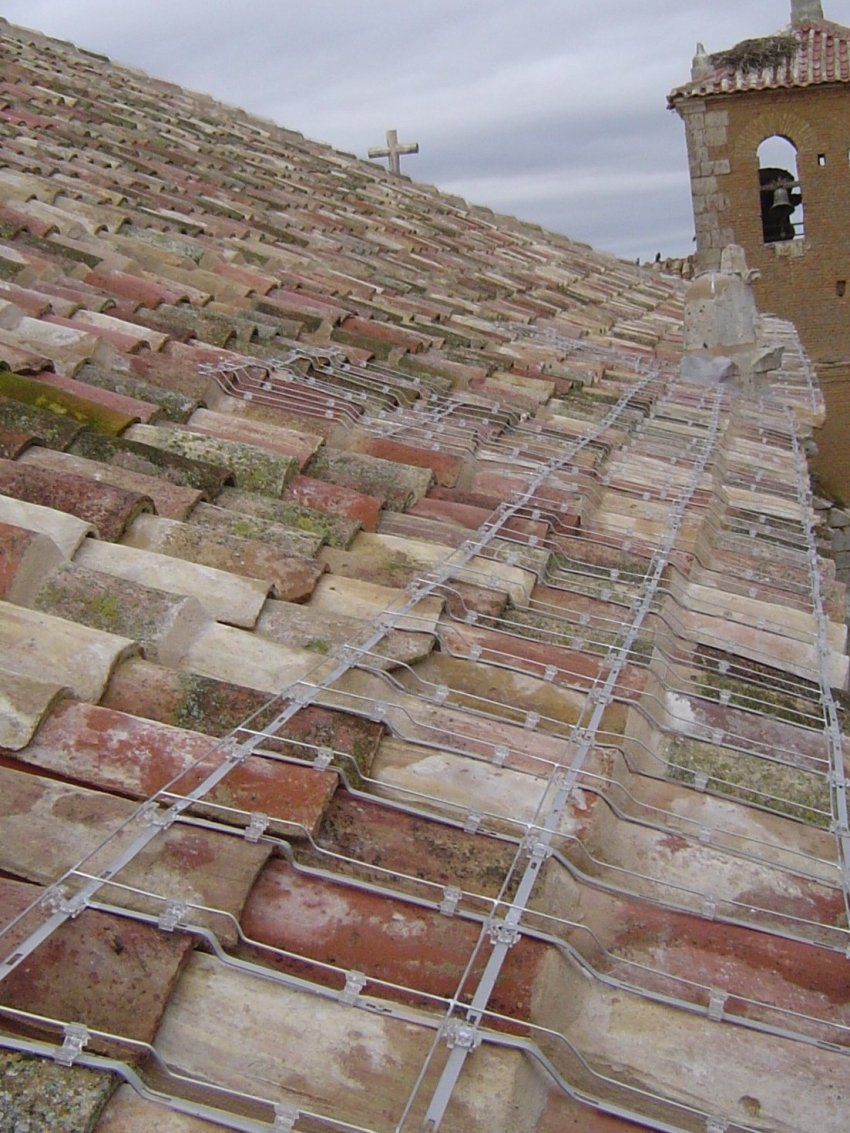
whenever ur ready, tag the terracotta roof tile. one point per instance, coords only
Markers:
(821, 55)
(109, 509)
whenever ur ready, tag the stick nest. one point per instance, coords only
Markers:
(756, 54)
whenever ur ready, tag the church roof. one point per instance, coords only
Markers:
(804, 55)
(415, 699)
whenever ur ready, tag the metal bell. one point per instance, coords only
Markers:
(781, 201)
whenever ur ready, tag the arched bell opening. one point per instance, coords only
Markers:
(781, 196)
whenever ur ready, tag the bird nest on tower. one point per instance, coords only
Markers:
(756, 54)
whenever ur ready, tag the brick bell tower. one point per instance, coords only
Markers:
(768, 135)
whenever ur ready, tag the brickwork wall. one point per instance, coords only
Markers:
(800, 279)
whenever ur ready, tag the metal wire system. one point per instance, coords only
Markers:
(650, 635)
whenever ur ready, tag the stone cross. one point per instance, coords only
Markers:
(394, 151)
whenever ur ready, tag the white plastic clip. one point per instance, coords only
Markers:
(501, 932)
(257, 827)
(58, 901)
(172, 915)
(441, 694)
(475, 653)
(536, 849)
(324, 758)
(354, 984)
(550, 673)
(285, 1119)
(716, 1125)
(452, 897)
(717, 1006)
(473, 822)
(462, 1035)
(76, 1037)
(532, 719)
(156, 816)
(706, 835)
(701, 781)
(709, 909)
(500, 755)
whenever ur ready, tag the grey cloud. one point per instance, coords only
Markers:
(552, 109)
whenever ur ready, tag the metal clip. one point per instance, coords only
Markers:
(285, 1119)
(500, 755)
(717, 1005)
(324, 758)
(501, 932)
(452, 897)
(475, 653)
(155, 816)
(461, 1035)
(441, 694)
(700, 781)
(378, 710)
(536, 849)
(172, 915)
(58, 901)
(354, 984)
(473, 822)
(76, 1037)
(532, 719)
(706, 835)
(257, 827)
(550, 673)
(708, 909)
(716, 1125)
(240, 752)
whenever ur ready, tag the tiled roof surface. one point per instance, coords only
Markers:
(822, 55)
(416, 701)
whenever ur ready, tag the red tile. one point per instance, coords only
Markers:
(336, 500)
(109, 509)
(123, 975)
(405, 944)
(102, 748)
(446, 468)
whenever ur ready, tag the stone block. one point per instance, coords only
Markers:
(704, 369)
(839, 518)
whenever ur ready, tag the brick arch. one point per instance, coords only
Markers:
(769, 124)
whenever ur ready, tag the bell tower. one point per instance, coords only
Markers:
(768, 139)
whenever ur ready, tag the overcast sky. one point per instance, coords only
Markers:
(550, 109)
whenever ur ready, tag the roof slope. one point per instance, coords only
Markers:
(416, 701)
(804, 55)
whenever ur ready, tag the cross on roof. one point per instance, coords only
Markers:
(394, 151)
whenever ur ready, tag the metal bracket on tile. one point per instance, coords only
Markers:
(354, 984)
(717, 1005)
(461, 1035)
(76, 1037)
(500, 755)
(58, 901)
(172, 915)
(154, 815)
(452, 896)
(473, 822)
(500, 932)
(716, 1125)
(285, 1119)
(257, 827)
(538, 850)
(324, 758)
(708, 909)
